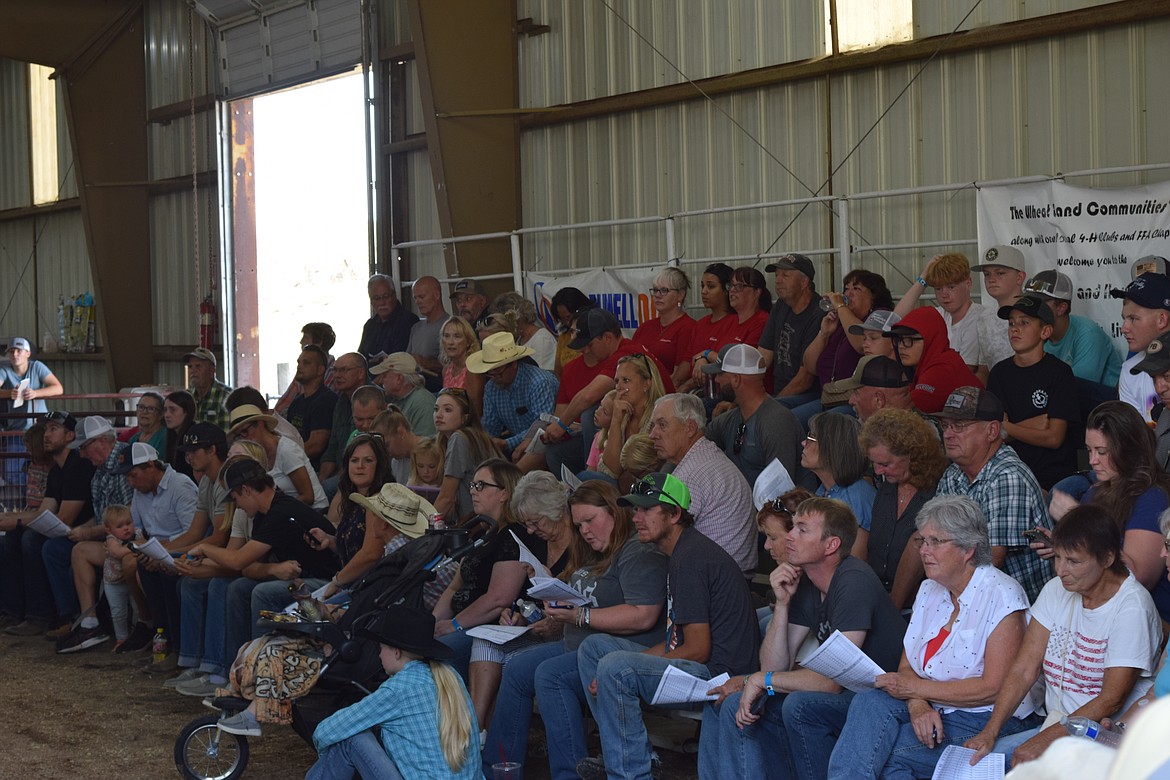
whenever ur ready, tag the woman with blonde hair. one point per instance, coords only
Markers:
(639, 458)
(422, 713)
(456, 341)
(638, 386)
(531, 332)
(668, 335)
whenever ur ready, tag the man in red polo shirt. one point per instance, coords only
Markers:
(584, 382)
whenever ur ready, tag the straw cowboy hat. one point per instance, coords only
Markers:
(399, 506)
(499, 349)
(246, 415)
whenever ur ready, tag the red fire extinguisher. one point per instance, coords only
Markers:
(207, 322)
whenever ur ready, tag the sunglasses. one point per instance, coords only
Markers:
(645, 487)
(739, 437)
(778, 507)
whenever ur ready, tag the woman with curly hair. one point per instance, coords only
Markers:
(908, 462)
(530, 330)
(1131, 489)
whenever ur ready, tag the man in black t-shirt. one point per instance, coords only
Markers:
(281, 528)
(710, 628)
(792, 325)
(26, 598)
(311, 410)
(819, 590)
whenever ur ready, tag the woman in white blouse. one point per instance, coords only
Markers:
(966, 627)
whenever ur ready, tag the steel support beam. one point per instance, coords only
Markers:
(466, 55)
(243, 188)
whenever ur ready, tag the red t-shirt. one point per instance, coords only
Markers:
(669, 344)
(576, 376)
(747, 332)
(707, 334)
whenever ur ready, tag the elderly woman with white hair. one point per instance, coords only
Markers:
(530, 330)
(966, 626)
(540, 502)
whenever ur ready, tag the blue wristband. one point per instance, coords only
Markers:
(455, 625)
(768, 684)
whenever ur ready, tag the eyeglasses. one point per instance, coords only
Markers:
(1166, 544)
(341, 369)
(958, 426)
(141, 409)
(740, 287)
(930, 541)
(739, 437)
(663, 290)
(479, 485)
(811, 438)
(906, 342)
(381, 298)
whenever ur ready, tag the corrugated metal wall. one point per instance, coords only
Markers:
(16, 183)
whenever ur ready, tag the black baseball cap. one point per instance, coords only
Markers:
(1150, 291)
(658, 488)
(592, 323)
(64, 419)
(1157, 357)
(793, 262)
(242, 472)
(1032, 306)
(203, 435)
(971, 403)
(871, 371)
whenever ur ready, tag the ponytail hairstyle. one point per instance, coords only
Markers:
(454, 715)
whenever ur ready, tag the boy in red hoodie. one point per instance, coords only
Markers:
(921, 345)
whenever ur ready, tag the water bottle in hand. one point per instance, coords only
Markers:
(1090, 729)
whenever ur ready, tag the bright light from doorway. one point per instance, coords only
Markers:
(311, 220)
(862, 24)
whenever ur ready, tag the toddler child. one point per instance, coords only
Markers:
(120, 531)
(426, 464)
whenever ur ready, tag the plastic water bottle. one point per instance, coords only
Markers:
(159, 646)
(1090, 729)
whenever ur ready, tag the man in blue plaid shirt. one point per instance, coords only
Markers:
(516, 394)
(994, 477)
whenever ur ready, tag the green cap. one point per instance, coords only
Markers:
(658, 488)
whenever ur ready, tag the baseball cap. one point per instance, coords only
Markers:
(203, 353)
(1050, 284)
(792, 263)
(1001, 257)
(1148, 264)
(90, 428)
(241, 472)
(742, 359)
(202, 435)
(468, 286)
(658, 488)
(402, 362)
(64, 419)
(592, 323)
(1150, 291)
(1157, 357)
(20, 343)
(879, 321)
(1031, 305)
(871, 371)
(971, 403)
(137, 454)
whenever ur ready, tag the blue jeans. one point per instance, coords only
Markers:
(24, 587)
(813, 721)
(57, 554)
(227, 627)
(273, 596)
(460, 643)
(562, 703)
(361, 753)
(192, 610)
(508, 734)
(625, 678)
(727, 751)
(878, 740)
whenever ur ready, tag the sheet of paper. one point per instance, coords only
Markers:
(774, 481)
(955, 764)
(498, 635)
(843, 662)
(526, 556)
(679, 687)
(48, 524)
(569, 478)
(553, 590)
(153, 549)
(19, 400)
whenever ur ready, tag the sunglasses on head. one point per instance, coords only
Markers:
(645, 487)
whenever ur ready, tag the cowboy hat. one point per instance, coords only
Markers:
(499, 349)
(399, 506)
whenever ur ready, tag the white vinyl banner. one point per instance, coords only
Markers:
(1092, 235)
(624, 291)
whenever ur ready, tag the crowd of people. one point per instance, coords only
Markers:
(930, 510)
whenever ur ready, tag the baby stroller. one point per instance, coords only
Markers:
(349, 673)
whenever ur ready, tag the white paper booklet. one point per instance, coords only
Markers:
(48, 524)
(498, 635)
(773, 481)
(569, 478)
(955, 764)
(679, 687)
(20, 388)
(153, 549)
(843, 662)
(526, 556)
(551, 589)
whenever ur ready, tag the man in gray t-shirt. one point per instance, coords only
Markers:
(425, 334)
